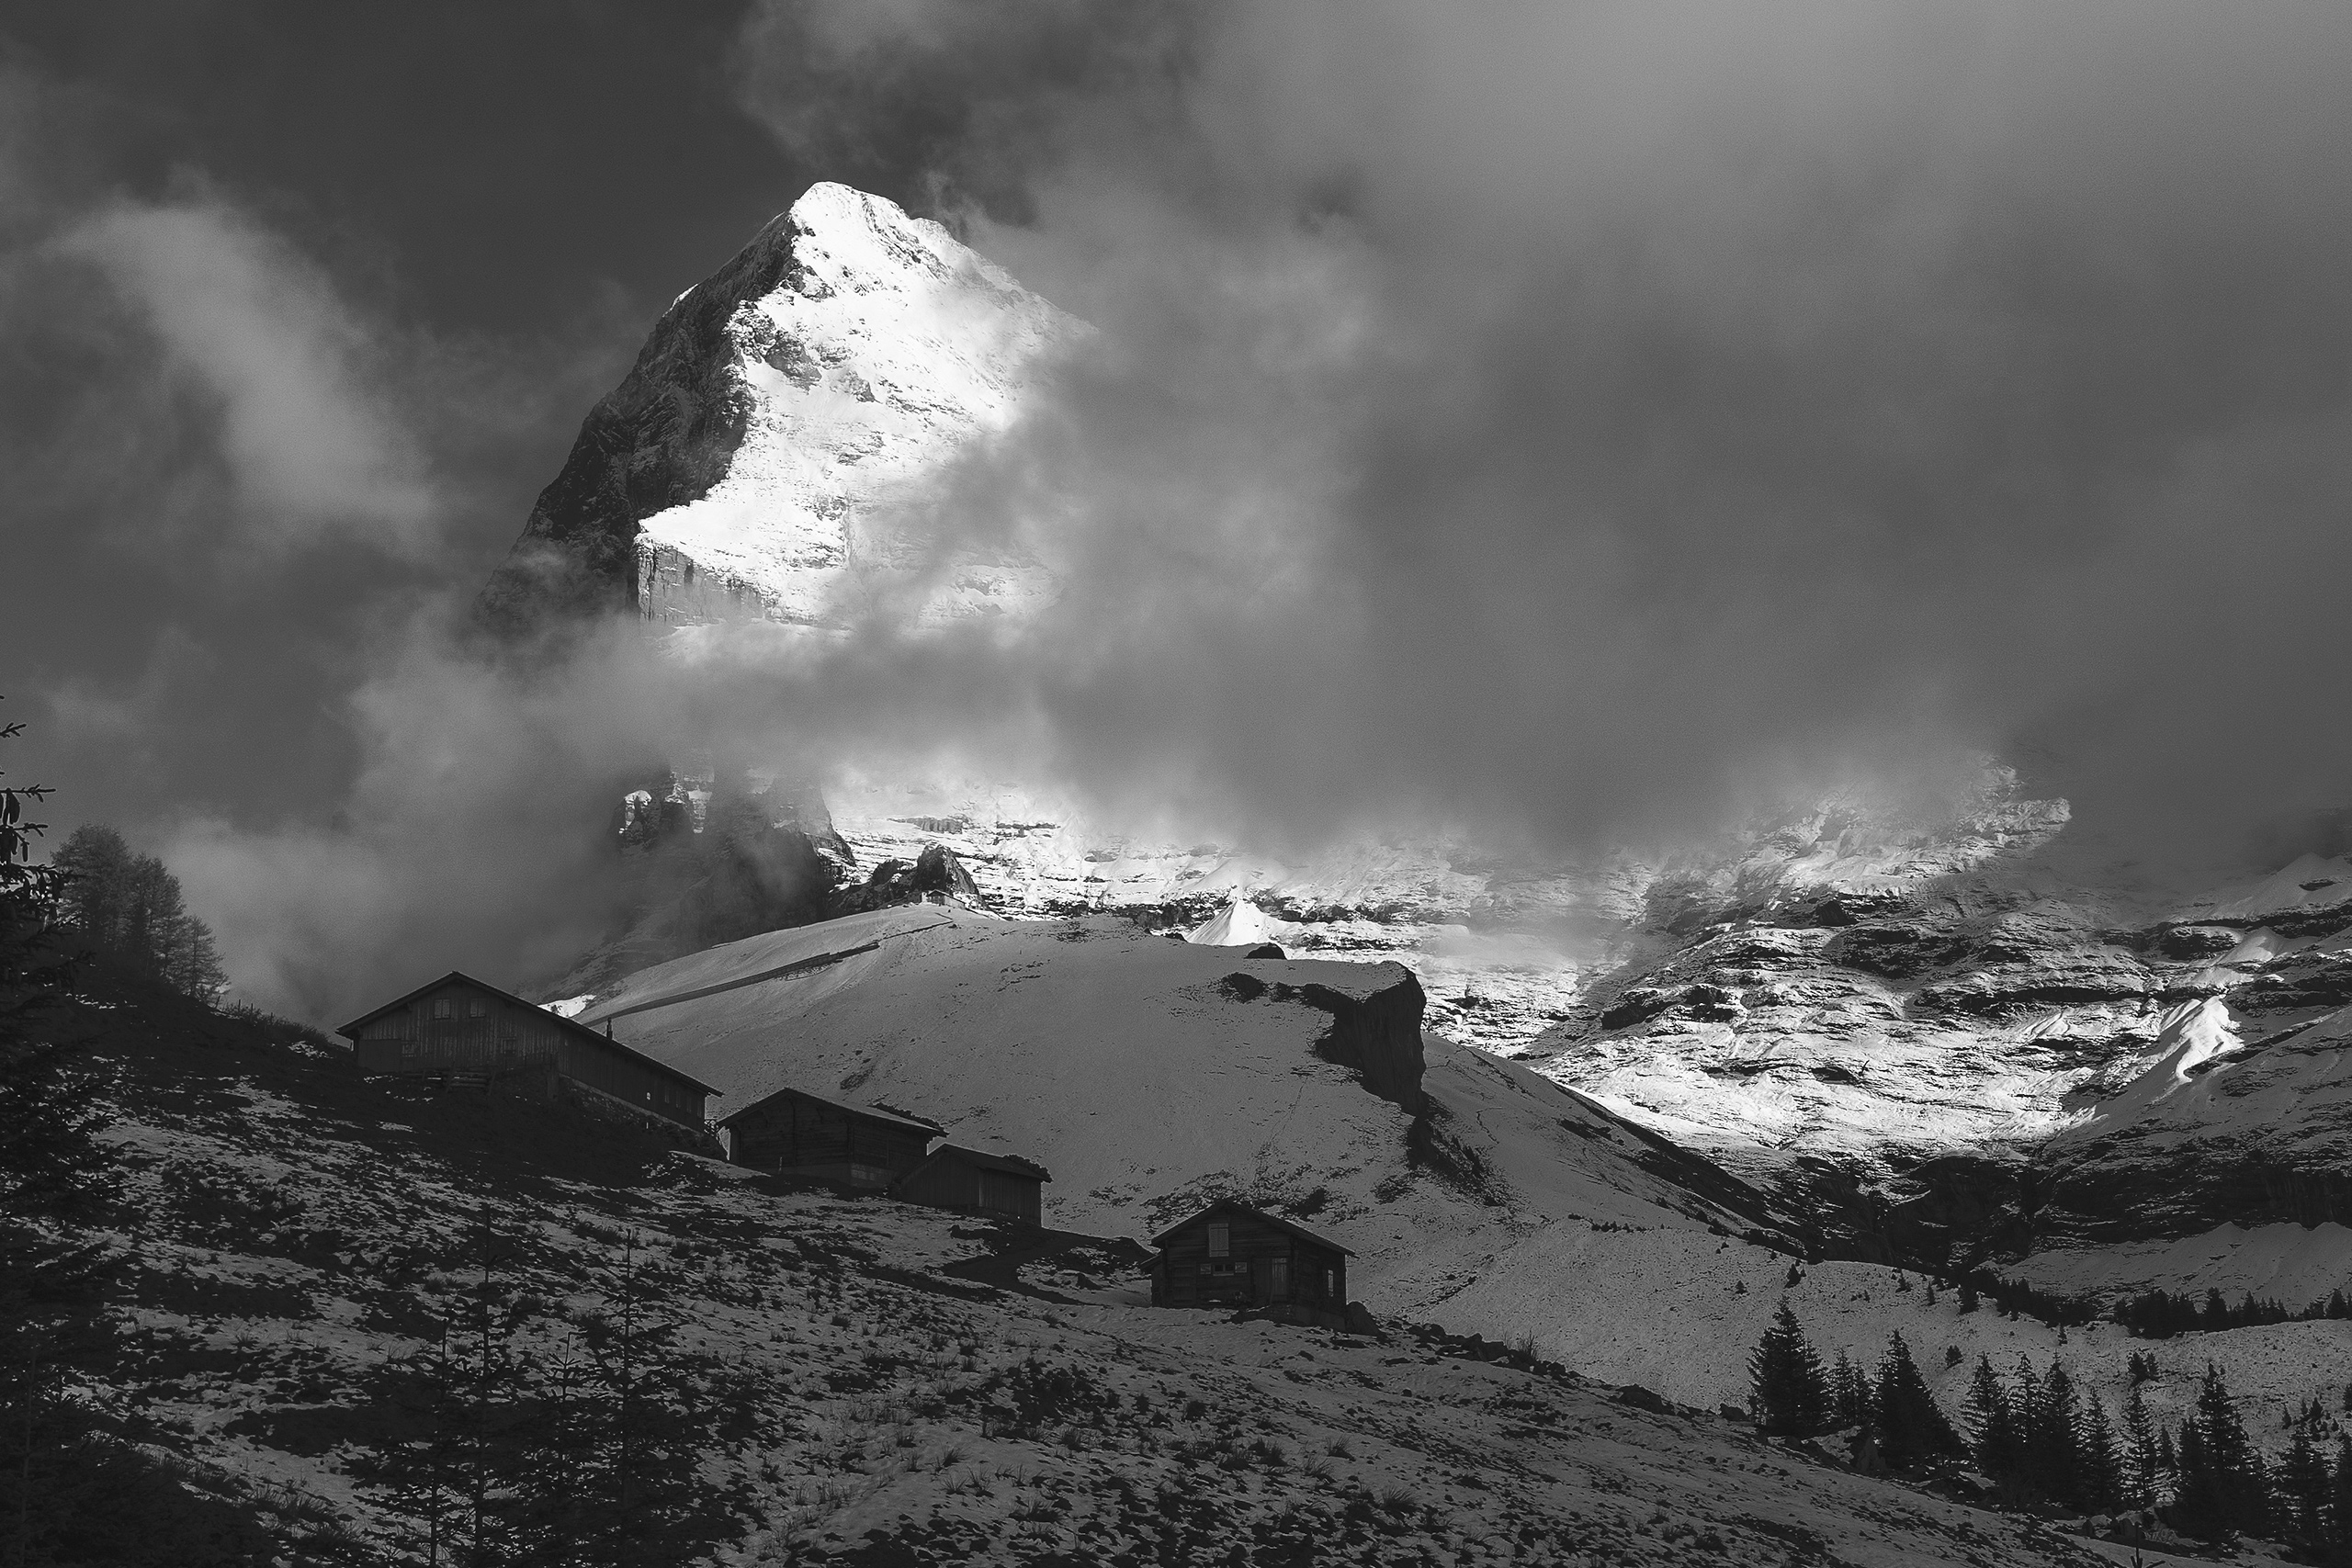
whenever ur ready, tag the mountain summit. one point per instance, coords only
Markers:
(783, 419)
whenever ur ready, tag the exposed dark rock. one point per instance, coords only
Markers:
(2187, 943)
(1896, 952)
(935, 871)
(1636, 1006)
(659, 439)
(1376, 1035)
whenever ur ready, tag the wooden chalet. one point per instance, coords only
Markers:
(976, 1182)
(461, 1029)
(795, 1133)
(1232, 1254)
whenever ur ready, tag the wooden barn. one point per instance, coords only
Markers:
(976, 1182)
(459, 1029)
(1232, 1254)
(795, 1133)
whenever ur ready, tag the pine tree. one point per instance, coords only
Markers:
(1786, 1387)
(2199, 1507)
(2224, 1489)
(2102, 1468)
(1912, 1429)
(129, 906)
(2142, 1464)
(2304, 1487)
(2053, 1455)
(2339, 1506)
(1850, 1395)
(1996, 1449)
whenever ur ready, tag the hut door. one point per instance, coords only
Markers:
(1282, 1279)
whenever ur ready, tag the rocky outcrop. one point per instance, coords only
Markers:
(1375, 1032)
(659, 439)
(697, 866)
(935, 873)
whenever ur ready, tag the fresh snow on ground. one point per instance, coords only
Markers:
(1678, 1312)
(2295, 1265)
(1150, 1075)
(859, 1381)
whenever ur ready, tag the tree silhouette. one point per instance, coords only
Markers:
(1911, 1429)
(1786, 1388)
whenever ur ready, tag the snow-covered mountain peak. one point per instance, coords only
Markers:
(885, 351)
(782, 447)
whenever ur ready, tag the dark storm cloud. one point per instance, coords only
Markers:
(1579, 419)
(295, 314)
(1597, 414)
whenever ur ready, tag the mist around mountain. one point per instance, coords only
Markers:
(1938, 1066)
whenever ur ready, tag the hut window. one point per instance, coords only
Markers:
(441, 1006)
(477, 1008)
(1220, 1240)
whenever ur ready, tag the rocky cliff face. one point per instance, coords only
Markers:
(784, 419)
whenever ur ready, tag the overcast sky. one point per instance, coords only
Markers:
(1564, 415)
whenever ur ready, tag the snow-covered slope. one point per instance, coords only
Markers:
(1150, 1075)
(808, 1378)
(1591, 1298)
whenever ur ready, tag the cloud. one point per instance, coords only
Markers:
(1591, 417)
(313, 447)
(467, 839)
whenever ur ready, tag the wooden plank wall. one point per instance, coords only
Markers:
(806, 1137)
(1186, 1274)
(508, 1038)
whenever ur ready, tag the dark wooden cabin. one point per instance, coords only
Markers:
(795, 1133)
(464, 1029)
(978, 1182)
(1232, 1254)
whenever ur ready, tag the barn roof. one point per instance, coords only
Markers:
(869, 1112)
(1301, 1232)
(351, 1031)
(982, 1160)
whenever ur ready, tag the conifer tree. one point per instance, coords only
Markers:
(1911, 1429)
(2304, 1487)
(2224, 1489)
(1786, 1387)
(2101, 1467)
(2142, 1465)
(1996, 1449)
(130, 906)
(1850, 1395)
(2053, 1455)
(2339, 1506)
(2199, 1507)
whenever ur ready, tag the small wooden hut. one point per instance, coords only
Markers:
(461, 1029)
(979, 1182)
(1232, 1254)
(795, 1133)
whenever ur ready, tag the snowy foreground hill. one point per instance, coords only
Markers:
(1947, 1033)
(1150, 1075)
(364, 1324)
